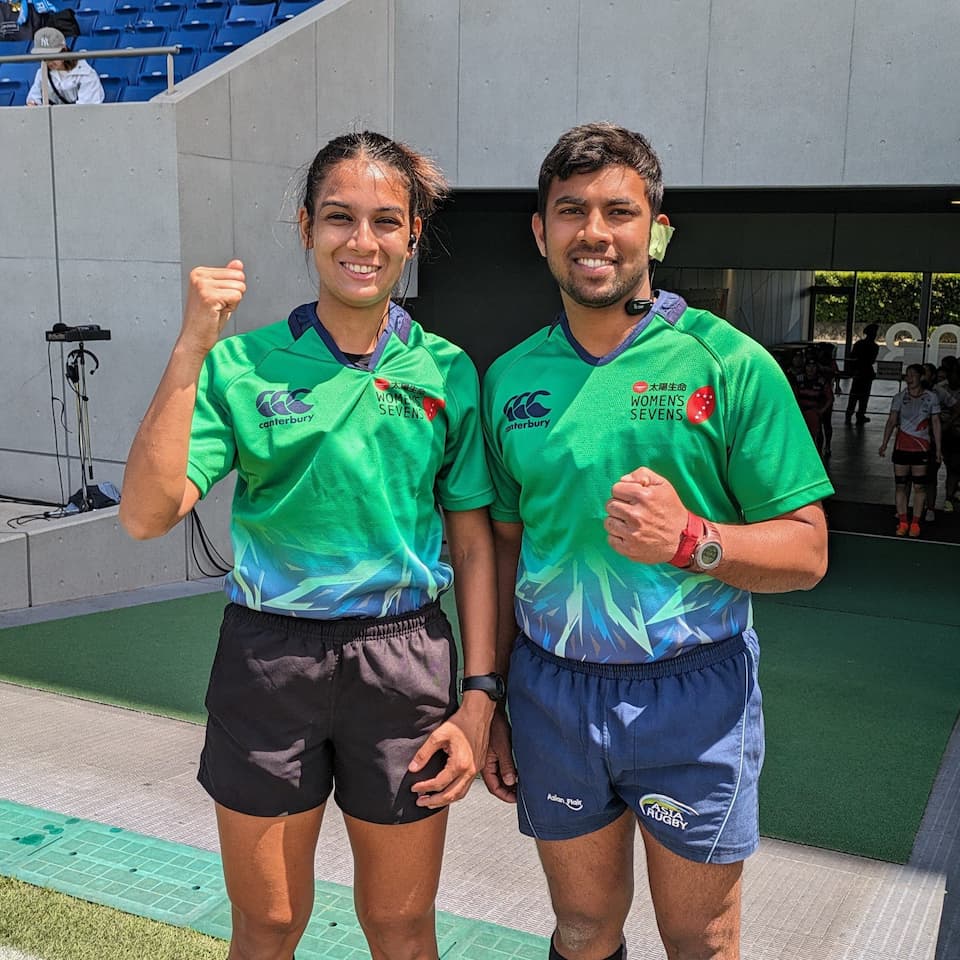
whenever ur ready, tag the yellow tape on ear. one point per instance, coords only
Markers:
(660, 235)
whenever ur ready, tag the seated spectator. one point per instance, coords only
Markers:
(70, 81)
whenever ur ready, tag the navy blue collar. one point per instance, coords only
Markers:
(668, 306)
(305, 317)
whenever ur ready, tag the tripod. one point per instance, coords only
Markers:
(76, 370)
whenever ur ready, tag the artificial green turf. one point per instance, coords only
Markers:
(154, 657)
(57, 927)
(861, 681)
(858, 712)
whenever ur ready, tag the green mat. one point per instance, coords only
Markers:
(184, 886)
(861, 680)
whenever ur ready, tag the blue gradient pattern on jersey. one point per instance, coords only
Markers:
(583, 609)
(276, 580)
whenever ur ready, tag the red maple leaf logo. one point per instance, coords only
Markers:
(701, 404)
(431, 405)
(641, 386)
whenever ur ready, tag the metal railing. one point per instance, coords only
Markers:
(81, 54)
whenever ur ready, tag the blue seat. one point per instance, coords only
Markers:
(112, 88)
(137, 93)
(208, 57)
(152, 84)
(290, 8)
(99, 41)
(103, 29)
(68, 4)
(237, 34)
(12, 48)
(192, 33)
(156, 66)
(261, 14)
(6, 98)
(213, 12)
(169, 17)
(16, 89)
(126, 69)
(114, 21)
(150, 35)
(23, 72)
(87, 19)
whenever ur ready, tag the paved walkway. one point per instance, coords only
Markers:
(138, 772)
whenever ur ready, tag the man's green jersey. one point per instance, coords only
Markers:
(340, 468)
(689, 397)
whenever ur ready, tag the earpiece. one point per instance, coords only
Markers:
(412, 245)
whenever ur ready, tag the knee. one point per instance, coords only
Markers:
(398, 930)
(267, 933)
(712, 943)
(577, 932)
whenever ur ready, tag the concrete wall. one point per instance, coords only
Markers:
(731, 92)
(109, 207)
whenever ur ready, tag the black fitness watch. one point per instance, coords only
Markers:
(490, 683)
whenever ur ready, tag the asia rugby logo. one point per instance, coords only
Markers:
(666, 810)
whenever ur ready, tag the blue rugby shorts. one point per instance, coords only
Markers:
(679, 742)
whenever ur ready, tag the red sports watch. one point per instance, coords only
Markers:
(700, 549)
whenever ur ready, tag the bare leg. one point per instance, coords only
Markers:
(268, 867)
(901, 470)
(591, 887)
(697, 904)
(396, 874)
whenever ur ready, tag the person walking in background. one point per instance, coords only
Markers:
(350, 429)
(948, 393)
(70, 81)
(915, 417)
(651, 469)
(935, 453)
(860, 361)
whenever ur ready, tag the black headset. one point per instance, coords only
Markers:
(74, 359)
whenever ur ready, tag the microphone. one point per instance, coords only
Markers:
(636, 307)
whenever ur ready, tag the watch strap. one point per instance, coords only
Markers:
(691, 535)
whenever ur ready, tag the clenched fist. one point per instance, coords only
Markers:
(213, 295)
(645, 517)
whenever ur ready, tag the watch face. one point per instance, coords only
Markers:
(709, 555)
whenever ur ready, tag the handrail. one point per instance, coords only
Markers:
(81, 54)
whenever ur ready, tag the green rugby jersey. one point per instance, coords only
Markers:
(686, 395)
(340, 469)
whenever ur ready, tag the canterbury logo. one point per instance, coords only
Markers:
(281, 403)
(526, 406)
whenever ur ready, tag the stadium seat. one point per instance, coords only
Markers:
(208, 57)
(16, 89)
(214, 11)
(87, 19)
(262, 14)
(12, 48)
(100, 41)
(112, 88)
(109, 23)
(237, 34)
(156, 66)
(126, 69)
(137, 93)
(290, 8)
(168, 16)
(149, 35)
(22, 72)
(192, 33)
(68, 4)
(6, 98)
